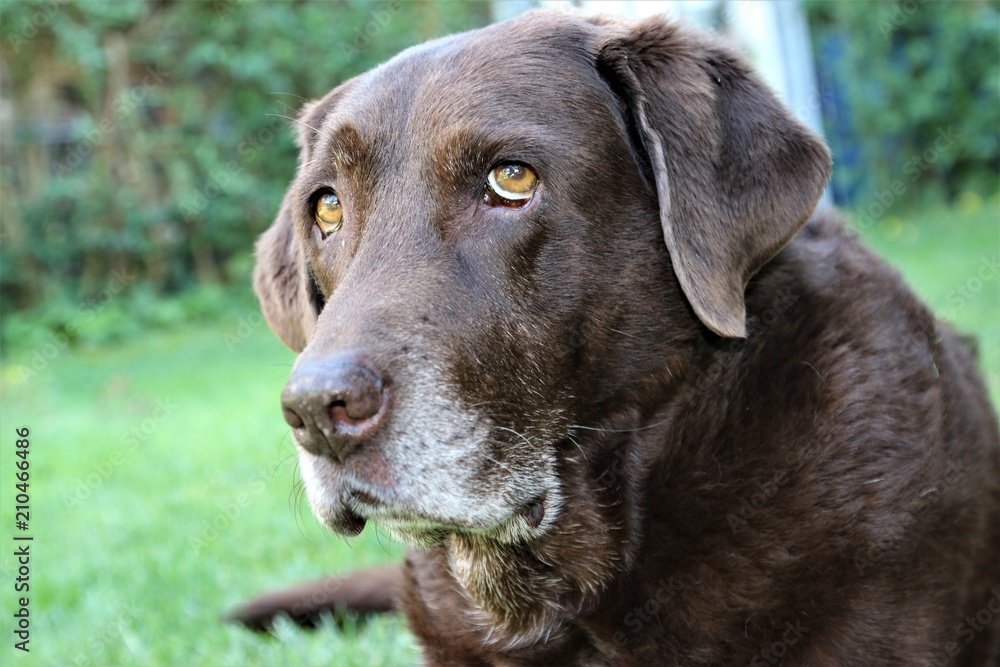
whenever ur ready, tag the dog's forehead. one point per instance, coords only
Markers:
(523, 72)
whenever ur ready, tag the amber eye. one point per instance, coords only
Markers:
(511, 184)
(329, 213)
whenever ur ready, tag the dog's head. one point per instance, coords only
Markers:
(495, 240)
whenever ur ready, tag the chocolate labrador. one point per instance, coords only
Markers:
(567, 328)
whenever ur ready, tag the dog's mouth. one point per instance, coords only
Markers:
(359, 507)
(462, 491)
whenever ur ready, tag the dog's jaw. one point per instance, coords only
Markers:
(519, 510)
(430, 473)
(503, 585)
(523, 594)
(512, 569)
(518, 527)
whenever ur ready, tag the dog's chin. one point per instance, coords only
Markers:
(519, 524)
(348, 513)
(345, 508)
(341, 520)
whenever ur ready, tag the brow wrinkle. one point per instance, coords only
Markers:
(348, 147)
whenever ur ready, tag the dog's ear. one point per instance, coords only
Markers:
(283, 284)
(736, 175)
(287, 293)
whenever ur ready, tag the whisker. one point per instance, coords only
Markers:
(294, 120)
(482, 403)
(569, 436)
(520, 435)
(378, 539)
(278, 92)
(620, 430)
(624, 333)
(502, 465)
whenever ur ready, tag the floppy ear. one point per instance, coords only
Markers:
(736, 175)
(282, 282)
(287, 293)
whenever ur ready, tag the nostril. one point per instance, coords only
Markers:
(364, 402)
(334, 404)
(292, 418)
(339, 416)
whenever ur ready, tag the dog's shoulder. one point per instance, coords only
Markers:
(830, 299)
(839, 351)
(819, 438)
(829, 266)
(852, 359)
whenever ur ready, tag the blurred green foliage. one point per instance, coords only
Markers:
(152, 138)
(919, 82)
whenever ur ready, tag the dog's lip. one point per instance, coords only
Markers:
(348, 522)
(368, 506)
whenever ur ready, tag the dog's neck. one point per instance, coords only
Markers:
(531, 592)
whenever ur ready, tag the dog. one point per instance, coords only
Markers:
(571, 327)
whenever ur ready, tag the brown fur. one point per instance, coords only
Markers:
(756, 443)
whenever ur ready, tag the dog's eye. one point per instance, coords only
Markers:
(329, 213)
(511, 184)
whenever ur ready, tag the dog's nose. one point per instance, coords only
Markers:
(334, 404)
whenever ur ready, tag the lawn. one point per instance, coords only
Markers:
(163, 481)
(163, 492)
(951, 257)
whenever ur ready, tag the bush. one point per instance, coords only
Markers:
(152, 138)
(912, 95)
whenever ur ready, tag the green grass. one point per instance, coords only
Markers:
(951, 258)
(127, 568)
